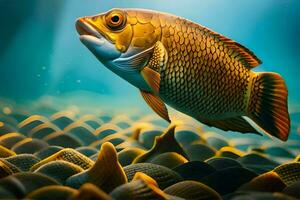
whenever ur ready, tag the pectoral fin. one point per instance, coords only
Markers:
(136, 62)
(152, 78)
(156, 104)
(151, 73)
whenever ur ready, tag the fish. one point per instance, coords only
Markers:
(176, 62)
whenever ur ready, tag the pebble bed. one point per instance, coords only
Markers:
(60, 155)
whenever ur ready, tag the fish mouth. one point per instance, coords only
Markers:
(88, 32)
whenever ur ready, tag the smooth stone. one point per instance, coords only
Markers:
(279, 151)
(20, 184)
(127, 155)
(10, 139)
(59, 170)
(62, 119)
(192, 190)
(123, 125)
(216, 142)
(29, 146)
(187, 137)
(105, 130)
(87, 151)
(31, 122)
(169, 159)
(256, 159)
(23, 161)
(91, 120)
(229, 152)
(46, 152)
(105, 118)
(41, 131)
(63, 140)
(194, 170)
(82, 132)
(199, 152)
(93, 124)
(268, 182)
(6, 128)
(231, 179)
(89, 191)
(162, 175)
(51, 192)
(222, 163)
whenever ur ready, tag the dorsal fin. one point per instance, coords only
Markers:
(246, 56)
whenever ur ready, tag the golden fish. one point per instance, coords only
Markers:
(189, 67)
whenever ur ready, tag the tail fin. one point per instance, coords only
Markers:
(267, 105)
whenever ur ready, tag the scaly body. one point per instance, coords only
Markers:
(189, 67)
(202, 76)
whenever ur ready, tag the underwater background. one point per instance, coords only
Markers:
(46, 71)
(41, 53)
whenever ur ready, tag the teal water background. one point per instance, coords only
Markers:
(40, 53)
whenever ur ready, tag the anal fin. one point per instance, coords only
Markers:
(238, 124)
(156, 104)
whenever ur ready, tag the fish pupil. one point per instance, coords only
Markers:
(115, 19)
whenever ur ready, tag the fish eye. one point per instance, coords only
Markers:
(115, 20)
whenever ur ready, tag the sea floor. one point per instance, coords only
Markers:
(50, 152)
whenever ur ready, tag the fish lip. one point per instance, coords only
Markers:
(90, 39)
(84, 28)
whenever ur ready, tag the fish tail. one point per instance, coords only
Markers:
(267, 105)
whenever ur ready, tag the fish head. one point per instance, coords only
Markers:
(121, 40)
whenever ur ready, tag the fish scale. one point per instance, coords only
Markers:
(194, 78)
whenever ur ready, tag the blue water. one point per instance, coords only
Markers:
(40, 53)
